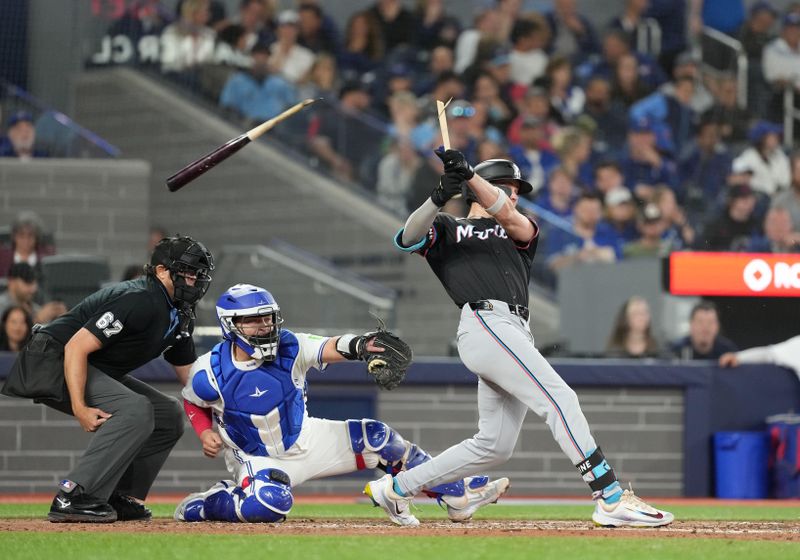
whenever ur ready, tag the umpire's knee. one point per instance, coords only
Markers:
(139, 412)
(174, 419)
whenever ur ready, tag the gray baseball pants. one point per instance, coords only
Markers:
(513, 377)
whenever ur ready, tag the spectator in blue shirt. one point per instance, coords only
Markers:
(20, 138)
(591, 242)
(703, 170)
(257, 94)
(704, 341)
(779, 235)
(559, 195)
(644, 166)
(671, 17)
(671, 115)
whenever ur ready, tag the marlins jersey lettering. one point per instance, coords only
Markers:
(259, 407)
(475, 259)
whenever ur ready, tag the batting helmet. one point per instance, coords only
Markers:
(496, 170)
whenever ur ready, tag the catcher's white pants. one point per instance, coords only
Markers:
(323, 451)
(513, 377)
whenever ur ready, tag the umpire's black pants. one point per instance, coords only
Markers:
(128, 450)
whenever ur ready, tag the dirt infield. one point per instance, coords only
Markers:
(736, 530)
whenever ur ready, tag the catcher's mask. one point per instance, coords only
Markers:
(498, 170)
(251, 318)
(185, 259)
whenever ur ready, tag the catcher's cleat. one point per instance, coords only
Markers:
(383, 495)
(77, 507)
(129, 509)
(629, 511)
(192, 507)
(478, 492)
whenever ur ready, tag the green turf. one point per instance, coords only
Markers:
(721, 512)
(106, 546)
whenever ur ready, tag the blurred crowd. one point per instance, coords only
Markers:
(623, 133)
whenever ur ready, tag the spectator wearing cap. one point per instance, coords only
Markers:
(363, 47)
(315, 32)
(560, 194)
(533, 154)
(790, 198)
(779, 235)
(571, 34)
(731, 230)
(703, 169)
(345, 138)
(592, 240)
(398, 25)
(20, 139)
(756, 31)
(651, 228)
(670, 114)
(258, 94)
(621, 213)
(288, 58)
(704, 341)
(22, 290)
(528, 58)
(27, 244)
(533, 104)
(765, 158)
(644, 166)
(781, 58)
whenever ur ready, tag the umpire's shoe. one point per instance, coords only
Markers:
(129, 509)
(77, 507)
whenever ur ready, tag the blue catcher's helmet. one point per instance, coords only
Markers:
(244, 300)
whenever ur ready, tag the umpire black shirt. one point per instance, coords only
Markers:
(475, 259)
(134, 320)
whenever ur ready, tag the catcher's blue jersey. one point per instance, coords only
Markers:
(259, 407)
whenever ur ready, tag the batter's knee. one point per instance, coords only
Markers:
(494, 450)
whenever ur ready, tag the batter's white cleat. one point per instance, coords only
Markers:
(478, 492)
(629, 511)
(382, 494)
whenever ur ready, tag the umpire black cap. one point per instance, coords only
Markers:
(503, 170)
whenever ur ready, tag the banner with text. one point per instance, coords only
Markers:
(734, 274)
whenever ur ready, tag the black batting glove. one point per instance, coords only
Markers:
(455, 163)
(449, 186)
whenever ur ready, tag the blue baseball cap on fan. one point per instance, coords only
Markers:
(18, 117)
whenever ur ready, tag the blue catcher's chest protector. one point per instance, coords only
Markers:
(264, 409)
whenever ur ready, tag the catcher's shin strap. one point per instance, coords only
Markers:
(486, 305)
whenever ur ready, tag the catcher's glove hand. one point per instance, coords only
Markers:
(388, 366)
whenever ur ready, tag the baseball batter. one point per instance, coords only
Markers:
(254, 385)
(483, 262)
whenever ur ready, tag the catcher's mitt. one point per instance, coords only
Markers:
(388, 367)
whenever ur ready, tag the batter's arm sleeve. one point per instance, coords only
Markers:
(419, 223)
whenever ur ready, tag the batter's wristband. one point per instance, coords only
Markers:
(499, 203)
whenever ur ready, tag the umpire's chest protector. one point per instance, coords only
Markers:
(263, 409)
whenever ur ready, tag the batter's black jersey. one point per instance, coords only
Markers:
(134, 320)
(475, 259)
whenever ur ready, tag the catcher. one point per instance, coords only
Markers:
(253, 385)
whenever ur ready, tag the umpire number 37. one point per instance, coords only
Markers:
(108, 325)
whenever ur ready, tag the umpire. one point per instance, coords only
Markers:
(79, 365)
